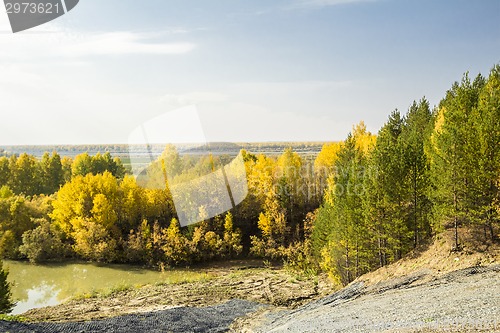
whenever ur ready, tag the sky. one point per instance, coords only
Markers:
(260, 70)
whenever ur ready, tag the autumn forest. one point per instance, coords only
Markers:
(358, 205)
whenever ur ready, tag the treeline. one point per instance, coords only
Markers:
(99, 213)
(30, 176)
(28, 187)
(426, 170)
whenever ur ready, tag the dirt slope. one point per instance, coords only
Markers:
(433, 289)
(466, 300)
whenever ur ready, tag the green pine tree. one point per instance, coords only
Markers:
(414, 135)
(6, 303)
(486, 171)
(453, 150)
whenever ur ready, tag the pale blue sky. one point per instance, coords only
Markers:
(258, 70)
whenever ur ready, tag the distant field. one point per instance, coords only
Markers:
(124, 151)
(142, 155)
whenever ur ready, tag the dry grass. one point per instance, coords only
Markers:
(438, 258)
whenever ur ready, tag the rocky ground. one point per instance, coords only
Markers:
(182, 319)
(467, 300)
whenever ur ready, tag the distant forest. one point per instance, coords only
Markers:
(346, 208)
(123, 150)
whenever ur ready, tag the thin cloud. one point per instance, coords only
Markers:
(194, 97)
(52, 40)
(119, 43)
(323, 3)
(23, 47)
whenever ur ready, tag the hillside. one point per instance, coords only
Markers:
(438, 259)
(430, 290)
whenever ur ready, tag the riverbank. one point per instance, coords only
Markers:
(273, 286)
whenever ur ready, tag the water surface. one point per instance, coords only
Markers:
(36, 286)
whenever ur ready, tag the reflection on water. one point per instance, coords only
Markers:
(37, 286)
(40, 296)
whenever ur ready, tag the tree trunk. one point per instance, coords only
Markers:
(455, 218)
(347, 268)
(455, 225)
(379, 240)
(492, 232)
(415, 225)
(356, 271)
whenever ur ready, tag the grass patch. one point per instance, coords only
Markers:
(16, 318)
(89, 295)
(181, 277)
(115, 290)
(103, 292)
(302, 274)
(170, 278)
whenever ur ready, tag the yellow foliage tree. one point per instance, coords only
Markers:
(324, 163)
(93, 242)
(365, 141)
(232, 238)
(103, 211)
(175, 248)
(86, 197)
(264, 225)
(132, 203)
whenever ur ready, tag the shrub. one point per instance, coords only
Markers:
(93, 242)
(176, 247)
(8, 245)
(139, 246)
(42, 243)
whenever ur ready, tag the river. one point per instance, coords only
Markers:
(35, 286)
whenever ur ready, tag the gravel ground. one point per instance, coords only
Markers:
(182, 319)
(467, 300)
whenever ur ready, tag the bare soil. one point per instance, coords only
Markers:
(438, 258)
(273, 286)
